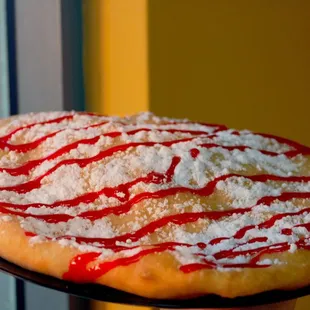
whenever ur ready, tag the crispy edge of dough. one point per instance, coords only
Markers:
(157, 275)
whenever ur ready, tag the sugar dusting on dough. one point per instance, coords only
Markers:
(71, 180)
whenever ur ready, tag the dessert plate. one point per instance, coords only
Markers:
(107, 294)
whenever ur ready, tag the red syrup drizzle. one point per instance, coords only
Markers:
(79, 269)
(26, 168)
(194, 153)
(25, 147)
(50, 121)
(55, 120)
(33, 184)
(155, 178)
(180, 219)
(274, 248)
(80, 272)
(298, 147)
(28, 146)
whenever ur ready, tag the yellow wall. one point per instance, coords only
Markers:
(242, 63)
(93, 51)
(116, 56)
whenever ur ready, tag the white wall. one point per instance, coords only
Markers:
(7, 284)
(4, 104)
(39, 55)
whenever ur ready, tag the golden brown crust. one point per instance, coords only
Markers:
(157, 275)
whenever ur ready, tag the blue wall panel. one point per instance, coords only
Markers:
(7, 284)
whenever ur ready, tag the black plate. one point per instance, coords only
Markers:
(104, 293)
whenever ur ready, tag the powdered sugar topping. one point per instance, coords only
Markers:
(118, 186)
